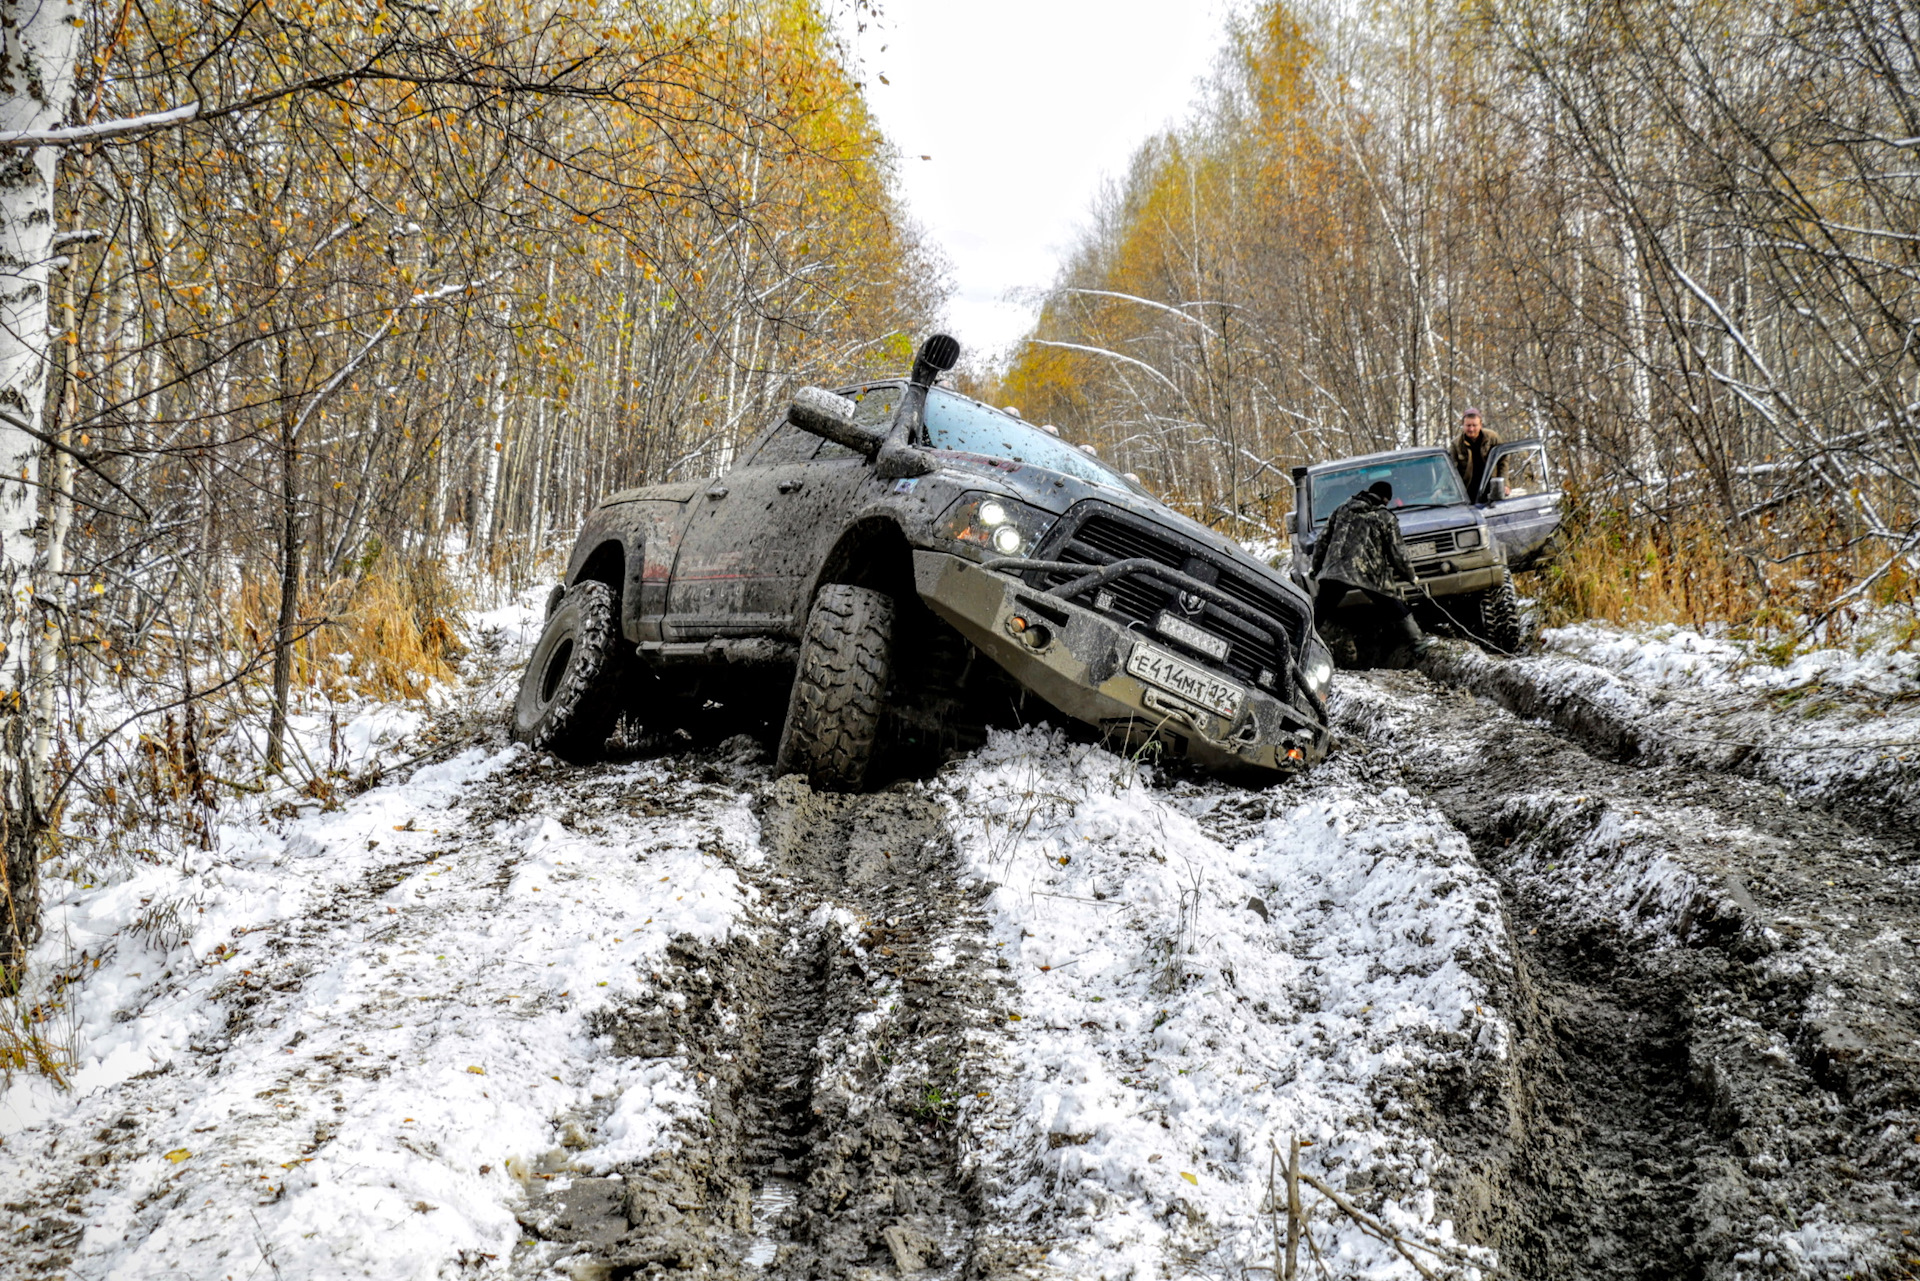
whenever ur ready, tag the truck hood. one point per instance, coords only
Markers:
(1055, 492)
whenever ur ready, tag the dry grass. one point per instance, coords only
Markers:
(1773, 583)
(389, 632)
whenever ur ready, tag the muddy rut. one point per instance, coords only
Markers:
(1713, 991)
(833, 1044)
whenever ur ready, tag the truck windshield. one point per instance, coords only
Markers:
(1428, 480)
(967, 426)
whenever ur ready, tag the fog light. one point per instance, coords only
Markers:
(1295, 754)
(1037, 637)
(1016, 624)
(1006, 539)
(1103, 601)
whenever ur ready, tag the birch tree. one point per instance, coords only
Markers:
(37, 65)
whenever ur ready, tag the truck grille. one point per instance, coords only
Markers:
(1094, 534)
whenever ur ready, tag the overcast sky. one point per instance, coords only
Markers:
(1024, 105)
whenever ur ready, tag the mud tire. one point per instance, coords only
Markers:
(1500, 617)
(568, 700)
(839, 689)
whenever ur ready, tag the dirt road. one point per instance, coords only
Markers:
(1536, 1012)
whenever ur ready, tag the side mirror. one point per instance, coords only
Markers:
(822, 413)
(1498, 489)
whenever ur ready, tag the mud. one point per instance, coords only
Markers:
(834, 1045)
(1788, 739)
(1713, 989)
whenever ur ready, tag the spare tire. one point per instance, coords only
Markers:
(568, 700)
(839, 688)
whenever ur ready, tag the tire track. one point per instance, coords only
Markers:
(1716, 1073)
(834, 1047)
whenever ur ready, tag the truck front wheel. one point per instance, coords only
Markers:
(568, 702)
(839, 688)
(1500, 617)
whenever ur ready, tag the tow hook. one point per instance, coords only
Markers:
(1034, 635)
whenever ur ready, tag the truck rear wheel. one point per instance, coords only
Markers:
(568, 700)
(839, 688)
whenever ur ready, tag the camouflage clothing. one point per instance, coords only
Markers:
(1470, 458)
(1361, 547)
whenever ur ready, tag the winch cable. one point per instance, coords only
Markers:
(1465, 630)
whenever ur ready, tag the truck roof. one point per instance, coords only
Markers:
(1360, 460)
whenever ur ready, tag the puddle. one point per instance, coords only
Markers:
(771, 1201)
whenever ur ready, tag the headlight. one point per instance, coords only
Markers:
(996, 524)
(1317, 666)
(1466, 538)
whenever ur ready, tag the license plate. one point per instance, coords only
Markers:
(1421, 551)
(1174, 674)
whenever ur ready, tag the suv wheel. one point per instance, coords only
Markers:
(1500, 617)
(567, 702)
(839, 688)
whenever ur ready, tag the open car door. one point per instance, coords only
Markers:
(1521, 500)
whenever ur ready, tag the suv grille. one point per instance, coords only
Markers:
(1094, 534)
(1427, 550)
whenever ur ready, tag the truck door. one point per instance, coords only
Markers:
(739, 565)
(1521, 500)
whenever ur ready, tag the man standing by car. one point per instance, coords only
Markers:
(1469, 452)
(1361, 551)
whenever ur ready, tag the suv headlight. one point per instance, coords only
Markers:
(997, 524)
(1466, 539)
(1316, 664)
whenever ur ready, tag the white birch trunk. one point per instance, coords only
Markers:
(37, 60)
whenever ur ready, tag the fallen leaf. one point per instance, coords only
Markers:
(1189, 1178)
(477, 1071)
(178, 1155)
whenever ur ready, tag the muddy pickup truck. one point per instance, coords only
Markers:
(871, 548)
(1465, 548)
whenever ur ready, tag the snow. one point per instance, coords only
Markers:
(1672, 657)
(1167, 1034)
(1831, 726)
(380, 1016)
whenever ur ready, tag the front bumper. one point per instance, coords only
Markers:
(1080, 669)
(1455, 584)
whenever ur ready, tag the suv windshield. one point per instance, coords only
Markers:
(1428, 480)
(967, 426)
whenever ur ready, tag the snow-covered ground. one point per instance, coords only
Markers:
(1205, 973)
(1834, 727)
(344, 1043)
(366, 1037)
(1672, 657)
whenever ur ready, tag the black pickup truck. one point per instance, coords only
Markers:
(877, 543)
(1465, 548)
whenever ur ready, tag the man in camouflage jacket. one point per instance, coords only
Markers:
(1361, 550)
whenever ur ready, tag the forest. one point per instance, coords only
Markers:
(1676, 241)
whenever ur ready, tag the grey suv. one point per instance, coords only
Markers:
(899, 562)
(1464, 547)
